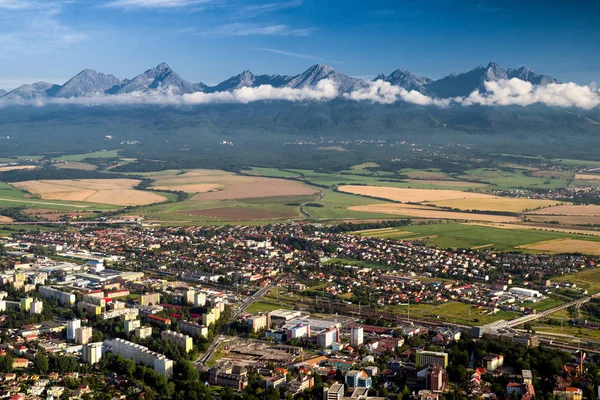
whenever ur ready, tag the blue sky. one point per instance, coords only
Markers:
(210, 40)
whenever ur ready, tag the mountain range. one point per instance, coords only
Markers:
(90, 82)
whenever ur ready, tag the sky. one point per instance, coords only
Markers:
(211, 40)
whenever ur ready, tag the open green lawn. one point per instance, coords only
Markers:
(96, 154)
(544, 305)
(263, 306)
(456, 235)
(452, 312)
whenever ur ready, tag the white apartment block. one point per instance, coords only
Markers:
(141, 355)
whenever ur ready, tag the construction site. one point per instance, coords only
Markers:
(249, 353)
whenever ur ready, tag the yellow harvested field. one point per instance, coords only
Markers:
(106, 191)
(191, 188)
(587, 177)
(569, 210)
(540, 228)
(222, 185)
(438, 182)
(16, 167)
(565, 246)
(411, 195)
(505, 204)
(409, 210)
(5, 220)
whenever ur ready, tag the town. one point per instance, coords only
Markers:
(281, 311)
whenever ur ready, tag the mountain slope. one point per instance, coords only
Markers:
(463, 84)
(316, 73)
(33, 91)
(88, 82)
(406, 80)
(248, 79)
(2, 92)
(160, 77)
(525, 74)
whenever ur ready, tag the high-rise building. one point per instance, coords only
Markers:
(181, 340)
(36, 308)
(130, 325)
(357, 336)
(335, 392)
(26, 303)
(83, 335)
(199, 300)
(92, 352)
(61, 297)
(192, 328)
(72, 326)
(358, 379)
(143, 332)
(141, 355)
(436, 379)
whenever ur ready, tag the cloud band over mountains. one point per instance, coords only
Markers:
(508, 92)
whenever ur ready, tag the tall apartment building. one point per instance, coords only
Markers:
(199, 300)
(26, 303)
(37, 307)
(92, 352)
(357, 336)
(143, 332)
(209, 318)
(150, 299)
(181, 340)
(194, 329)
(258, 322)
(61, 297)
(141, 355)
(72, 326)
(131, 325)
(335, 392)
(437, 379)
(83, 335)
(425, 358)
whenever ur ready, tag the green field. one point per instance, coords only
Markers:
(96, 154)
(588, 279)
(456, 235)
(262, 306)
(513, 179)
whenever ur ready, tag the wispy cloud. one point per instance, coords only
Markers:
(254, 10)
(246, 29)
(129, 5)
(15, 4)
(34, 27)
(299, 55)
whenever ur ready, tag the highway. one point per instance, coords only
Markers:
(532, 317)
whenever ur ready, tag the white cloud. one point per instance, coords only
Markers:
(245, 29)
(502, 93)
(385, 93)
(153, 4)
(298, 55)
(15, 4)
(521, 93)
(258, 9)
(324, 90)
